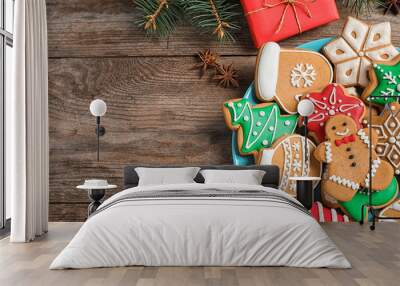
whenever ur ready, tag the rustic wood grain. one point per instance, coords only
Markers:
(374, 257)
(159, 111)
(106, 28)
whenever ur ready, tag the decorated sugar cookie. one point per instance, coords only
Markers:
(346, 153)
(385, 81)
(288, 153)
(379, 200)
(258, 126)
(387, 127)
(332, 101)
(354, 50)
(283, 75)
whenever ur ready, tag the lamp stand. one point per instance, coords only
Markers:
(100, 131)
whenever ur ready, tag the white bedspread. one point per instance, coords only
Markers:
(200, 231)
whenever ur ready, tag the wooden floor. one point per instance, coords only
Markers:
(375, 257)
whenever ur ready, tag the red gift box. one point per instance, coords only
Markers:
(275, 20)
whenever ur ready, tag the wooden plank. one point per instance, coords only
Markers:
(91, 28)
(159, 112)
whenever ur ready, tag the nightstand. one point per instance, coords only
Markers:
(96, 191)
(304, 188)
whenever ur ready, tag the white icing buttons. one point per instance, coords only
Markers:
(287, 123)
(271, 128)
(255, 133)
(246, 118)
(331, 112)
(262, 113)
(392, 140)
(239, 105)
(265, 142)
(258, 123)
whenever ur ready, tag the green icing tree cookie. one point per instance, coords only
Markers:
(258, 126)
(379, 200)
(384, 81)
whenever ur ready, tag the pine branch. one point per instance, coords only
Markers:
(219, 17)
(160, 17)
(361, 7)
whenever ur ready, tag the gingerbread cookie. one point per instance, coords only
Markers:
(354, 50)
(283, 75)
(379, 200)
(387, 127)
(258, 126)
(385, 81)
(346, 153)
(288, 153)
(392, 210)
(332, 101)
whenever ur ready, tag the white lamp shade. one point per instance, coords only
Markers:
(98, 107)
(305, 107)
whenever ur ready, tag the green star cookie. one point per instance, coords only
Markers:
(379, 200)
(384, 81)
(258, 126)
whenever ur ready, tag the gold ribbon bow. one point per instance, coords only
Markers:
(288, 3)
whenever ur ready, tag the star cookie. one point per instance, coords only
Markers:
(331, 101)
(354, 50)
(384, 86)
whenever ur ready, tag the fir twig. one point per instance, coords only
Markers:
(159, 16)
(219, 17)
(361, 7)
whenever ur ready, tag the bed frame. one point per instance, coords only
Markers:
(271, 177)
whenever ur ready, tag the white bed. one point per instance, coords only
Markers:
(205, 230)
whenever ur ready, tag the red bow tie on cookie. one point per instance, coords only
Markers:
(345, 140)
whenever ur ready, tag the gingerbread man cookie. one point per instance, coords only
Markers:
(384, 86)
(387, 127)
(258, 125)
(283, 75)
(288, 153)
(355, 49)
(346, 153)
(332, 101)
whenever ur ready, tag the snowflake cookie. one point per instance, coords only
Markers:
(284, 75)
(384, 86)
(387, 126)
(258, 126)
(288, 153)
(355, 49)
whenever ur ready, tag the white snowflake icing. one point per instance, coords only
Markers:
(390, 77)
(303, 75)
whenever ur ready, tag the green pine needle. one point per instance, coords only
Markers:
(218, 17)
(361, 7)
(159, 17)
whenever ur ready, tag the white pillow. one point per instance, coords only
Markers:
(247, 177)
(165, 176)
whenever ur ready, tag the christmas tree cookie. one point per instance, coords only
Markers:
(380, 200)
(258, 126)
(384, 81)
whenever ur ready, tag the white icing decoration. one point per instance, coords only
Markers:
(271, 128)
(390, 77)
(374, 167)
(363, 136)
(268, 70)
(265, 142)
(392, 140)
(303, 75)
(287, 122)
(262, 113)
(344, 182)
(328, 152)
(255, 133)
(246, 118)
(258, 123)
(239, 104)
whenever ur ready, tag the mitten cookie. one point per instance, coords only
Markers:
(288, 153)
(332, 101)
(384, 81)
(387, 127)
(354, 50)
(258, 126)
(283, 75)
(346, 153)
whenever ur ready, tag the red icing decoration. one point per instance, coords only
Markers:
(345, 140)
(333, 101)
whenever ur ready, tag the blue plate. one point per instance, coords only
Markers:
(240, 160)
